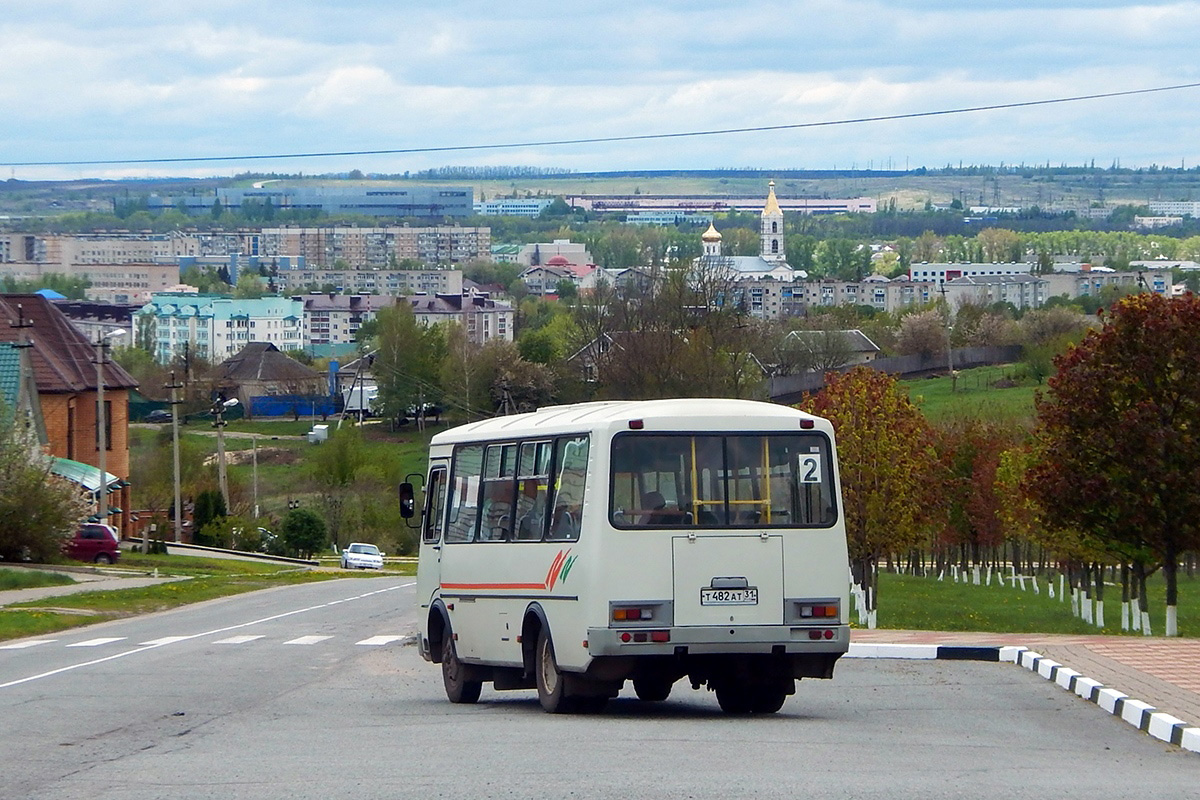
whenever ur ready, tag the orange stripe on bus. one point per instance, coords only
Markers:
(493, 586)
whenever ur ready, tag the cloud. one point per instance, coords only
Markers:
(126, 80)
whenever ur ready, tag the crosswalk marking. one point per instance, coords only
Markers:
(98, 642)
(308, 640)
(166, 640)
(23, 645)
(378, 640)
(237, 640)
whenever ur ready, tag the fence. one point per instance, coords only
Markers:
(791, 388)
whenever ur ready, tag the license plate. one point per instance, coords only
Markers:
(729, 597)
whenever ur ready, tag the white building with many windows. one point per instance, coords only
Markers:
(215, 327)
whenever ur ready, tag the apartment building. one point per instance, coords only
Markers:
(215, 327)
(295, 278)
(336, 318)
(381, 247)
(482, 317)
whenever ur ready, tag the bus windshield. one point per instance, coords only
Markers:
(722, 481)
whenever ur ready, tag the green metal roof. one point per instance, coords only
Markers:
(10, 378)
(85, 475)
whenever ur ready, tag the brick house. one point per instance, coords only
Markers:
(64, 368)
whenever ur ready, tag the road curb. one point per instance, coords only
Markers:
(1142, 716)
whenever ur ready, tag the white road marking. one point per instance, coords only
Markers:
(213, 632)
(375, 641)
(30, 643)
(97, 642)
(164, 640)
(238, 639)
(309, 640)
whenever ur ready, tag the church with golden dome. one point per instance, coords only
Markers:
(771, 261)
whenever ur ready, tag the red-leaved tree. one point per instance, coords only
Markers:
(1119, 434)
(886, 461)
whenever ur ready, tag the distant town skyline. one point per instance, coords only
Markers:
(126, 81)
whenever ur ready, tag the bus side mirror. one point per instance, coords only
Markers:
(407, 501)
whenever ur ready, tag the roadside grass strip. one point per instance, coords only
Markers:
(1143, 716)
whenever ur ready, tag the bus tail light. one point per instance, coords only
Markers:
(817, 633)
(632, 614)
(818, 610)
(640, 637)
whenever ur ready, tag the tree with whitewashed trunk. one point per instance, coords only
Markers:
(887, 464)
(1119, 435)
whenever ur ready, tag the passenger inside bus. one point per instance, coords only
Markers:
(565, 524)
(653, 509)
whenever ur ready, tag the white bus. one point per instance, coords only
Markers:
(581, 546)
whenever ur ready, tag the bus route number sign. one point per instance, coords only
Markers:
(729, 597)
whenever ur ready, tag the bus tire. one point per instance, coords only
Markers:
(767, 698)
(652, 690)
(458, 688)
(733, 698)
(551, 686)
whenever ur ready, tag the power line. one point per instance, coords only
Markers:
(603, 139)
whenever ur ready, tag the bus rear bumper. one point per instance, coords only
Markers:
(730, 640)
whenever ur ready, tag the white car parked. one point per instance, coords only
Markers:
(358, 555)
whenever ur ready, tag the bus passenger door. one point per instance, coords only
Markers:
(429, 563)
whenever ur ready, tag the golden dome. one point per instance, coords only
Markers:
(772, 206)
(710, 235)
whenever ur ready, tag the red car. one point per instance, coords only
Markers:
(94, 542)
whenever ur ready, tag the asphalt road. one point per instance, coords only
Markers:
(316, 691)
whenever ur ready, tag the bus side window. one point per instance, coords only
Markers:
(435, 505)
(464, 493)
(499, 485)
(533, 491)
(570, 476)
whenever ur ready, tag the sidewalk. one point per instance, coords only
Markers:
(1161, 672)
(86, 581)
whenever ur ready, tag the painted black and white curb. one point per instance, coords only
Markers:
(1141, 715)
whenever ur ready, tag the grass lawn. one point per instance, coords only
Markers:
(31, 578)
(980, 393)
(907, 602)
(206, 579)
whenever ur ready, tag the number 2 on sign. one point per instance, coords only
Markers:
(810, 468)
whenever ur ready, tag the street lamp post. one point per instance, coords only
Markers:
(175, 405)
(218, 409)
(102, 345)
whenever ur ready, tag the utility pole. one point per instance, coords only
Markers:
(102, 346)
(949, 344)
(218, 409)
(174, 388)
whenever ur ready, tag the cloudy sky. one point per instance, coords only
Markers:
(93, 80)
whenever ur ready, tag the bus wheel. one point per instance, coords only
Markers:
(652, 690)
(458, 688)
(733, 698)
(767, 698)
(550, 683)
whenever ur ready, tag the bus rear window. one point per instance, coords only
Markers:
(722, 481)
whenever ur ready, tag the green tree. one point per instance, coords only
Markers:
(1119, 434)
(887, 462)
(249, 286)
(208, 506)
(408, 360)
(303, 532)
(38, 508)
(335, 468)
